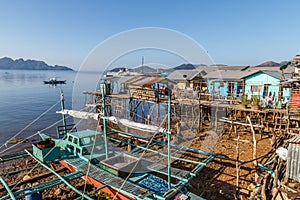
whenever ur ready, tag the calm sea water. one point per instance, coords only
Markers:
(24, 97)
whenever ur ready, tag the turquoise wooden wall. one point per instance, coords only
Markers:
(260, 79)
(221, 88)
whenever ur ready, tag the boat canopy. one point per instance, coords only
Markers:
(113, 119)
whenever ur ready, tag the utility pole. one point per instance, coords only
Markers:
(142, 64)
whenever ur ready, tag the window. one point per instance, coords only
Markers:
(75, 140)
(71, 148)
(70, 138)
(86, 140)
(255, 88)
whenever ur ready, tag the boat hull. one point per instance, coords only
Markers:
(54, 82)
(98, 184)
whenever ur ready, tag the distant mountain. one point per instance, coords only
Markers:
(185, 67)
(117, 69)
(283, 63)
(165, 70)
(269, 63)
(144, 69)
(21, 64)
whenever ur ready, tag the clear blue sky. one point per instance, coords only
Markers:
(234, 32)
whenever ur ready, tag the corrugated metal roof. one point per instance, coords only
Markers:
(289, 70)
(228, 74)
(275, 74)
(293, 162)
(205, 69)
(183, 74)
(295, 139)
(268, 68)
(211, 68)
(123, 79)
(146, 80)
(134, 79)
(236, 68)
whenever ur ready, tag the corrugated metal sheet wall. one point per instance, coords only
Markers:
(293, 162)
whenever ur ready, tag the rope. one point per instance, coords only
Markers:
(30, 123)
(89, 164)
(32, 135)
(137, 162)
(37, 163)
(49, 151)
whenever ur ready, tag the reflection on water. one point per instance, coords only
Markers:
(24, 97)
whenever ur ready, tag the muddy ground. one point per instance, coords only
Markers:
(216, 181)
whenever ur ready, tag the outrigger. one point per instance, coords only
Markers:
(124, 175)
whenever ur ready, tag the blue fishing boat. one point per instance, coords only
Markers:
(93, 156)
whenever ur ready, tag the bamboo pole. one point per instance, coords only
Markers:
(169, 141)
(60, 177)
(254, 149)
(216, 118)
(157, 114)
(143, 111)
(264, 187)
(237, 164)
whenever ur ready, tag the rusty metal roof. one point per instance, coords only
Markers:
(143, 81)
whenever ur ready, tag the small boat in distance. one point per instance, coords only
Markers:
(53, 81)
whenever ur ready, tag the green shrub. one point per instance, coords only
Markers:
(255, 101)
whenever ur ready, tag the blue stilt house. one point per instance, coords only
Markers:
(265, 83)
(226, 83)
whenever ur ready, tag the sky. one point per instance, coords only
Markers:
(232, 32)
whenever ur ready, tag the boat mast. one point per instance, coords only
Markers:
(62, 104)
(104, 118)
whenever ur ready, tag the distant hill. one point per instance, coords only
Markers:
(117, 69)
(185, 67)
(269, 63)
(144, 69)
(21, 64)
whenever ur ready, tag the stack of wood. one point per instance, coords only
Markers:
(142, 94)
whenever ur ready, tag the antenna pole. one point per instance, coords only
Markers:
(142, 64)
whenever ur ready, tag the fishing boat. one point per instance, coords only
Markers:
(124, 175)
(54, 81)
